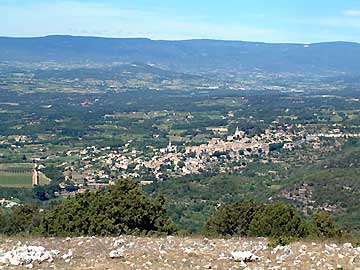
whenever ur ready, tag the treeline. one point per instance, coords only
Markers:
(125, 209)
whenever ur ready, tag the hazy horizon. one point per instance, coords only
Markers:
(190, 39)
(258, 21)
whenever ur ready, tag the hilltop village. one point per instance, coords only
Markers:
(100, 166)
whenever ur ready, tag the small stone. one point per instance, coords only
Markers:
(67, 255)
(117, 253)
(119, 243)
(189, 250)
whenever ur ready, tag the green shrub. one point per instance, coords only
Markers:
(20, 219)
(233, 219)
(278, 220)
(122, 209)
(250, 219)
(280, 241)
(324, 226)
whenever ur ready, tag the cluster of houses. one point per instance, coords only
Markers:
(103, 165)
(302, 195)
(95, 167)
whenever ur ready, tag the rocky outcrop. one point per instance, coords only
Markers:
(27, 255)
(174, 253)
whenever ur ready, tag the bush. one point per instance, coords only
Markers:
(122, 209)
(250, 219)
(233, 219)
(21, 219)
(324, 226)
(280, 241)
(278, 220)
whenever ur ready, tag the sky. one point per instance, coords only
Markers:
(279, 21)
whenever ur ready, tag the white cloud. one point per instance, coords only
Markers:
(351, 13)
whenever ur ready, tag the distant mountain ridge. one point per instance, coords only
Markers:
(186, 55)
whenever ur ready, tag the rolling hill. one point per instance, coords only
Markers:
(186, 55)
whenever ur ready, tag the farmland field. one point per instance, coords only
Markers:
(15, 179)
(15, 175)
(43, 179)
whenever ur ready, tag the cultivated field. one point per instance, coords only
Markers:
(15, 175)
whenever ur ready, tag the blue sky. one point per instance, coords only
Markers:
(302, 21)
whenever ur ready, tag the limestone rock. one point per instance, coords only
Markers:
(116, 253)
(244, 256)
(26, 255)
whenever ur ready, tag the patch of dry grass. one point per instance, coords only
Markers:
(189, 253)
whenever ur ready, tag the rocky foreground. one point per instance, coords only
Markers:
(128, 252)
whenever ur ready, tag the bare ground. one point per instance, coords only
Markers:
(172, 253)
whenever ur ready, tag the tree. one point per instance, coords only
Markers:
(233, 219)
(121, 209)
(278, 220)
(250, 219)
(40, 193)
(325, 226)
(20, 219)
